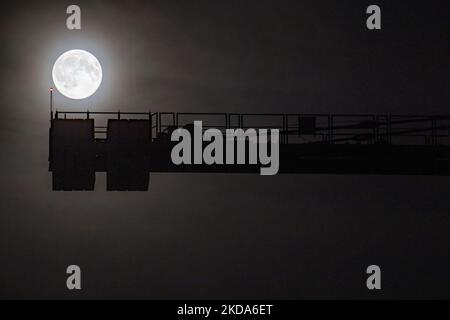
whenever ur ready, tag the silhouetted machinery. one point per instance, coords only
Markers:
(75, 154)
(72, 154)
(132, 145)
(127, 155)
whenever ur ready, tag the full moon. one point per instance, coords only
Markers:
(77, 74)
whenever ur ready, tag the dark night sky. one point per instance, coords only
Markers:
(224, 236)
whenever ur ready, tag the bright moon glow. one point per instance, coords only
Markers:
(77, 74)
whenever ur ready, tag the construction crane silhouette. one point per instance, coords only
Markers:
(130, 145)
